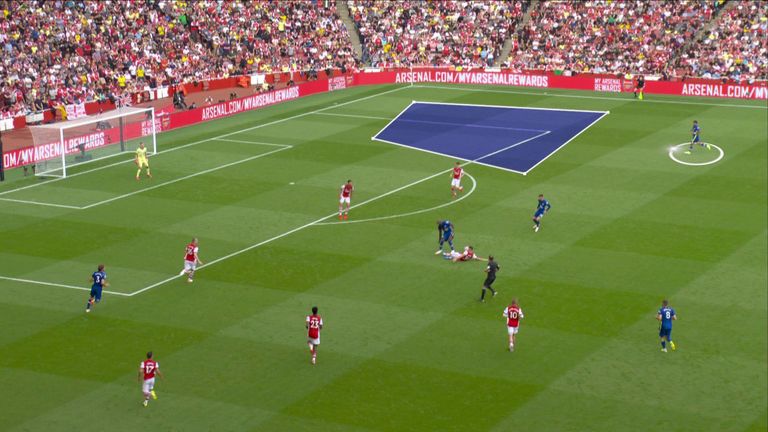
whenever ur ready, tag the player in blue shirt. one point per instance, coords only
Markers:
(665, 316)
(696, 137)
(99, 281)
(444, 234)
(541, 209)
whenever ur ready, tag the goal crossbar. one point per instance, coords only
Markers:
(60, 146)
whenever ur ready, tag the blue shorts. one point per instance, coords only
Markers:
(447, 235)
(538, 214)
(665, 333)
(96, 293)
(696, 139)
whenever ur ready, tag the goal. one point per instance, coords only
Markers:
(61, 147)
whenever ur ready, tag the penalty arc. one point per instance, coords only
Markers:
(672, 156)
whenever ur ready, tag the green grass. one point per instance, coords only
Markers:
(406, 344)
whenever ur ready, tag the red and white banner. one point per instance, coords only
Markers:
(337, 83)
(75, 111)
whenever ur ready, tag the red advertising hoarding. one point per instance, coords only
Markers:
(534, 79)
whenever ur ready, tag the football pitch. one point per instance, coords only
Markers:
(406, 345)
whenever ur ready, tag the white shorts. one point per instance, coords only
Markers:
(189, 265)
(512, 330)
(148, 385)
(343, 200)
(456, 182)
(314, 341)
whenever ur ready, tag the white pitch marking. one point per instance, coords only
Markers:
(593, 97)
(475, 161)
(279, 236)
(41, 203)
(672, 155)
(211, 139)
(159, 185)
(604, 113)
(393, 120)
(505, 106)
(452, 202)
(565, 143)
(251, 142)
(335, 105)
(282, 147)
(29, 281)
(353, 116)
(432, 122)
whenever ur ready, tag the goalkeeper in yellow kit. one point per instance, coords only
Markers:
(142, 161)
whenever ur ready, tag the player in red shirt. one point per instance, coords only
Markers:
(314, 324)
(467, 255)
(344, 198)
(191, 260)
(513, 314)
(147, 371)
(456, 174)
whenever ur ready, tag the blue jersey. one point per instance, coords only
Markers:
(667, 315)
(542, 207)
(695, 132)
(98, 279)
(445, 227)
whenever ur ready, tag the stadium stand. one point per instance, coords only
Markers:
(67, 52)
(70, 52)
(735, 48)
(603, 36)
(456, 33)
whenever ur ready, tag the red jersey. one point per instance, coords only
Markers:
(346, 190)
(148, 368)
(191, 253)
(458, 172)
(314, 323)
(513, 313)
(467, 255)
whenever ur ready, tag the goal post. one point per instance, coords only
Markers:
(60, 147)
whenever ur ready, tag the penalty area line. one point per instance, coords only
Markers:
(186, 177)
(58, 285)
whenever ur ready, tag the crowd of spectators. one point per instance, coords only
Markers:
(69, 51)
(608, 36)
(59, 52)
(438, 33)
(736, 47)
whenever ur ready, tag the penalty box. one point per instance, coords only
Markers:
(514, 139)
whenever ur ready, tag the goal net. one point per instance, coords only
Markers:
(60, 147)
